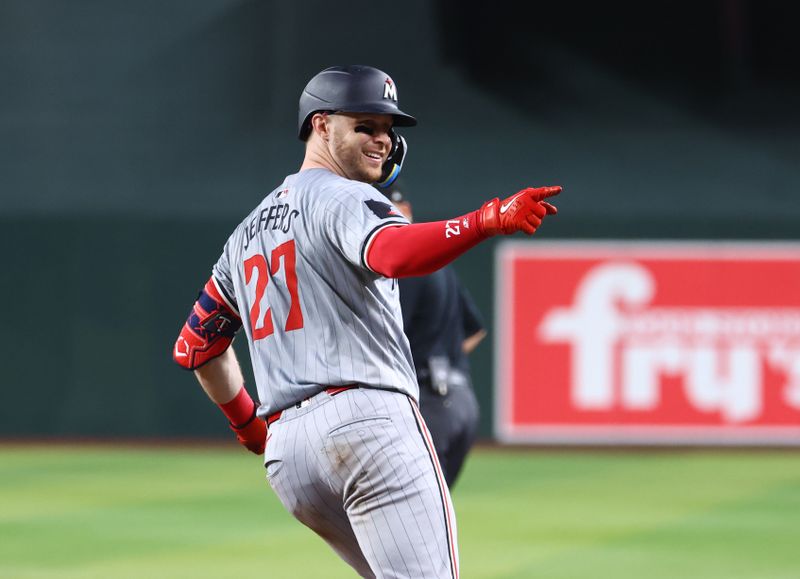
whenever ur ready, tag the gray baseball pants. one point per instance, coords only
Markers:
(359, 469)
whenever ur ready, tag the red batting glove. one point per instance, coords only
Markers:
(251, 431)
(523, 211)
(252, 435)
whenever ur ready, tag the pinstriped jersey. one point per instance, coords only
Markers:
(314, 314)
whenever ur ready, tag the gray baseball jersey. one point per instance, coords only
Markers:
(315, 315)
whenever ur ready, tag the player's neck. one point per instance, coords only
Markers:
(318, 158)
(314, 163)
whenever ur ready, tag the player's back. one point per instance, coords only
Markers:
(314, 314)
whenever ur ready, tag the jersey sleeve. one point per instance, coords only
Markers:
(353, 217)
(222, 275)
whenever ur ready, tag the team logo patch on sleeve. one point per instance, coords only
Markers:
(382, 210)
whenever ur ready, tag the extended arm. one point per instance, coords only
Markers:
(422, 248)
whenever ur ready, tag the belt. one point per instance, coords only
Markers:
(332, 391)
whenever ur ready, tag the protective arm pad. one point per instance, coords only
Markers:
(208, 331)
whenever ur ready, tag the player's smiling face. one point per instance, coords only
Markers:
(360, 143)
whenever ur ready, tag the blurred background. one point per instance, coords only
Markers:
(135, 136)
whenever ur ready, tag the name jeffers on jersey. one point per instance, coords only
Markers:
(279, 216)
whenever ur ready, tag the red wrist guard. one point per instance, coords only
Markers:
(250, 430)
(240, 410)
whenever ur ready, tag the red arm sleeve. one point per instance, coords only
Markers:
(422, 248)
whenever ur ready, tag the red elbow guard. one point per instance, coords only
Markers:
(208, 331)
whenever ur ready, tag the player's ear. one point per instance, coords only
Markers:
(320, 124)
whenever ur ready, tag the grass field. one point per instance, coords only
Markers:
(104, 512)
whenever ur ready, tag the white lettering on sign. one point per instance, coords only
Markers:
(621, 349)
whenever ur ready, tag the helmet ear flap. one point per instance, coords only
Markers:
(305, 129)
(394, 162)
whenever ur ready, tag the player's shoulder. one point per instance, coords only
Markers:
(336, 193)
(268, 199)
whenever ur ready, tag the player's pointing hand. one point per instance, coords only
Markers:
(522, 211)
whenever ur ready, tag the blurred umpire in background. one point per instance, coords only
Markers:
(443, 326)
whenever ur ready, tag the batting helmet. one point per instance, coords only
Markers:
(350, 89)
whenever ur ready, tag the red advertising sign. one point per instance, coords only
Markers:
(648, 343)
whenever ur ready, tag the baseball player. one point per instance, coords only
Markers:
(310, 274)
(443, 326)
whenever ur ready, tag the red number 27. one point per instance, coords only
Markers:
(263, 327)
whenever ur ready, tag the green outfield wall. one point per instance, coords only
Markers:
(135, 136)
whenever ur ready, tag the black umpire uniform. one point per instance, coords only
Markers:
(438, 316)
(442, 325)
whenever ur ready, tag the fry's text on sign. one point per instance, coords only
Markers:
(649, 342)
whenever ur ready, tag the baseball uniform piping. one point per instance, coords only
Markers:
(440, 480)
(228, 301)
(371, 236)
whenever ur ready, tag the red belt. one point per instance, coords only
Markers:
(332, 391)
